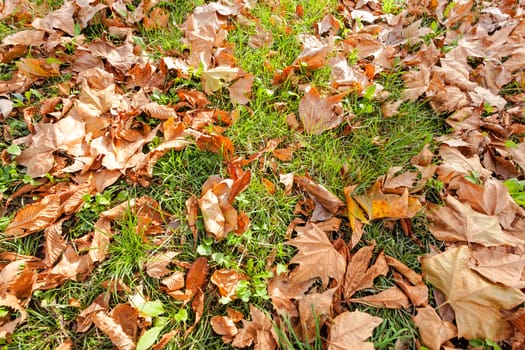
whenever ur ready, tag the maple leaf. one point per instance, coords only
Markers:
(471, 295)
(379, 204)
(259, 331)
(314, 310)
(458, 222)
(283, 293)
(317, 257)
(358, 275)
(351, 329)
(503, 265)
(241, 89)
(318, 113)
(433, 331)
(327, 204)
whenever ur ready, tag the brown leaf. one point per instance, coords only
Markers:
(34, 217)
(219, 216)
(7, 327)
(72, 266)
(102, 235)
(418, 293)
(54, 243)
(158, 18)
(262, 38)
(114, 331)
(28, 37)
(318, 113)
(197, 275)
(314, 310)
(433, 331)
(258, 331)
(164, 340)
(351, 329)
(161, 112)
(224, 326)
(284, 294)
(65, 345)
(412, 276)
(471, 295)
(85, 318)
(391, 298)
(227, 281)
(503, 265)
(241, 89)
(192, 210)
(320, 194)
(61, 18)
(173, 282)
(458, 222)
(317, 257)
(157, 265)
(358, 275)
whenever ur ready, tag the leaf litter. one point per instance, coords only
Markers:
(460, 64)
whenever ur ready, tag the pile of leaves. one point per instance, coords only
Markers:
(464, 58)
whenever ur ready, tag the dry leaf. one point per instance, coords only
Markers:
(318, 113)
(241, 89)
(258, 331)
(114, 331)
(471, 295)
(317, 257)
(391, 298)
(314, 310)
(197, 276)
(350, 330)
(227, 282)
(433, 331)
(156, 266)
(34, 217)
(54, 243)
(358, 275)
(85, 318)
(214, 79)
(284, 294)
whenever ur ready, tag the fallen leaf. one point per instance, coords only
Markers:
(224, 326)
(318, 113)
(317, 257)
(214, 79)
(85, 318)
(502, 265)
(197, 276)
(258, 331)
(320, 194)
(350, 330)
(54, 243)
(284, 294)
(359, 275)
(314, 310)
(391, 298)
(417, 293)
(471, 295)
(38, 67)
(241, 89)
(156, 266)
(227, 281)
(433, 331)
(114, 331)
(174, 282)
(458, 222)
(34, 217)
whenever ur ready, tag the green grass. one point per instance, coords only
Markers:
(335, 159)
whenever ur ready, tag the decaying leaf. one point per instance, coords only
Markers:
(156, 266)
(114, 331)
(350, 330)
(317, 257)
(471, 295)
